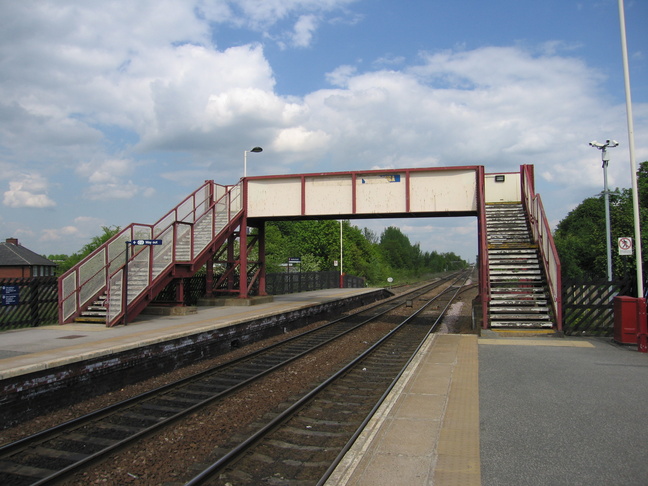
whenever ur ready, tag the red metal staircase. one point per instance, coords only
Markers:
(191, 234)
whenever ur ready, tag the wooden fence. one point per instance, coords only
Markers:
(28, 302)
(588, 306)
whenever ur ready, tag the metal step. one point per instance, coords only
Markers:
(522, 324)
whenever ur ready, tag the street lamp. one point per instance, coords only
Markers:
(255, 150)
(341, 258)
(608, 237)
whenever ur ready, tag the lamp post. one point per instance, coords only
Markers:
(341, 259)
(255, 150)
(608, 236)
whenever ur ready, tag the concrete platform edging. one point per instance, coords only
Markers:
(427, 430)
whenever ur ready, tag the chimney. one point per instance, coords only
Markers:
(13, 241)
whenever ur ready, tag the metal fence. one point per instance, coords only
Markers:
(194, 289)
(291, 283)
(276, 284)
(588, 306)
(28, 302)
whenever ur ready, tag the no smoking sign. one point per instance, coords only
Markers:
(625, 246)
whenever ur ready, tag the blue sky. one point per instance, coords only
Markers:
(112, 112)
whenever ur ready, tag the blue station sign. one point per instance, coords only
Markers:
(145, 242)
(10, 295)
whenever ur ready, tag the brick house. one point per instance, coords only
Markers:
(16, 261)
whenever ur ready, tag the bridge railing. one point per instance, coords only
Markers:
(543, 237)
(185, 232)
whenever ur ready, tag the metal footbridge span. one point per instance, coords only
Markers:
(519, 270)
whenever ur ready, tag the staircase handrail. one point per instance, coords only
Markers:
(91, 276)
(484, 276)
(541, 231)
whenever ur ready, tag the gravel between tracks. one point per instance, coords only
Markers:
(167, 457)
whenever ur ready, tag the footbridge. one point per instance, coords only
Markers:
(519, 270)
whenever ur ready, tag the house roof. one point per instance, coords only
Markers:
(12, 255)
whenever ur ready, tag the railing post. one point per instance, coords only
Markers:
(243, 291)
(484, 280)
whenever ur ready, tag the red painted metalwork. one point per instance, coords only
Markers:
(542, 236)
(484, 275)
(407, 190)
(262, 259)
(104, 268)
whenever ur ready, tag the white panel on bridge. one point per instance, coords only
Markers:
(503, 187)
(443, 191)
(397, 192)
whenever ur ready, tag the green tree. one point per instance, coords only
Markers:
(317, 243)
(580, 237)
(95, 242)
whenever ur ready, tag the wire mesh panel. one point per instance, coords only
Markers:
(202, 232)
(138, 274)
(115, 297)
(183, 243)
(69, 286)
(162, 254)
(92, 277)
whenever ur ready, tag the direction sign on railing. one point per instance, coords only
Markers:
(145, 242)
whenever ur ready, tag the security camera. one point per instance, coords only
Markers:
(611, 143)
(597, 144)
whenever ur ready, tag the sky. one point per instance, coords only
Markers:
(112, 112)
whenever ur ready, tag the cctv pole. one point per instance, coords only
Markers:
(608, 229)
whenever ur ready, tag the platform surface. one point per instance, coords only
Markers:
(499, 410)
(28, 350)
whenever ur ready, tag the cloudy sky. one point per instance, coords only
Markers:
(112, 112)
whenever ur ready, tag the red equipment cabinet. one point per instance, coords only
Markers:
(629, 314)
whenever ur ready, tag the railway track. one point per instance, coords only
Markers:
(303, 444)
(57, 453)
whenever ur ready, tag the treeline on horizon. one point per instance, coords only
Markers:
(317, 245)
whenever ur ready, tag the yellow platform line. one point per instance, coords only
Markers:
(535, 342)
(458, 455)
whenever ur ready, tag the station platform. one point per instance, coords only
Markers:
(31, 350)
(499, 410)
(470, 410)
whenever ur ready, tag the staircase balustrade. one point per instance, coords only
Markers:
(186, 231)
(541, 231)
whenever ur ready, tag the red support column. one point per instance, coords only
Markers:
(262, 259)
(484, 281)
(243, 290)
(180, 294)
(209, 278)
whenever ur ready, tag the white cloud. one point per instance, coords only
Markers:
(94, 90)
(304, 28)
(29, 191)
(56, 234)
(298, 139)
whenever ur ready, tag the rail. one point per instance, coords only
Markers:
(185, 232)
(542, 236)
(162, 406)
